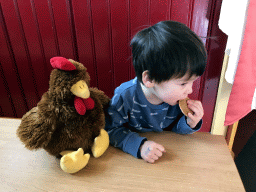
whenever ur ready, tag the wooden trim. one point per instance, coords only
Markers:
(230, 137)
(223, 94)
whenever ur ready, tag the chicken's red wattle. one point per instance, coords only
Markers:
(82, 105)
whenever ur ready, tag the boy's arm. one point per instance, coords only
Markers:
(119, 135)
(183, 128)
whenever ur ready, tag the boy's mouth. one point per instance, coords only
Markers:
(184, 98)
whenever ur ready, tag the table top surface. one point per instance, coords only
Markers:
(197, 162)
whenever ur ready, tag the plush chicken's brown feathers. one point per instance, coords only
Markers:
(54, 123)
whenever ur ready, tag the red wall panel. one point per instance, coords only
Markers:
(10, 79)
(120, 26)
(97, 33)
(30, 40)
(216, 47)
(21, 61)
(159, 11)
(6, 105)
(62, 25)
(103, 44)
(181, 11)
(82, 15)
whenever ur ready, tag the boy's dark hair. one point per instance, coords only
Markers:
(168, 50)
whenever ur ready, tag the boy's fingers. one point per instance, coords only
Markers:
(151, 161)
(194, 107)
(154, 157)
(191, 116)
(151, 151)
(196, 104)
(198, 110)
(158, 153)
(160, 147)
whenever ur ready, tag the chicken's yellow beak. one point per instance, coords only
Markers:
(80, 89)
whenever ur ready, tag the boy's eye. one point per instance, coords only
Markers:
(183, 84)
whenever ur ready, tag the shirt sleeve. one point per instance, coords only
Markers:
(183, 128)
(121, 136)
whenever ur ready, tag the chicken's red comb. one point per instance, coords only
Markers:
(62, 63)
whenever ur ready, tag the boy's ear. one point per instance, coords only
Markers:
(146, 80)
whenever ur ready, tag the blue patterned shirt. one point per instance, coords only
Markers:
(130, 112)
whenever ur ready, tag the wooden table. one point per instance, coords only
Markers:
(197, 162)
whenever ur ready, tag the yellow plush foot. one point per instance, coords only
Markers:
(101, 144)
(72, 162)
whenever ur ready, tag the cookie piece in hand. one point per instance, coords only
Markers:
(184, 107)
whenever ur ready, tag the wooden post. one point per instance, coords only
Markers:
(230, 137)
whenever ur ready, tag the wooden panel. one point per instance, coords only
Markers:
(85, 40)
(199, 23)
(120, 41)
(32, 44)
(46, 34)
(103, 45)
(159, 11)
(181, 11)
(139, 19)
(62, 23)
(21, 61)
(139, 16)
(6, 105)
(200, 15)
(10, 81)
(216, 49)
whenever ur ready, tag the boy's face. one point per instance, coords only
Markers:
(173, 90)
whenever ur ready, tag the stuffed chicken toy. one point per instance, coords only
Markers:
(69, 121)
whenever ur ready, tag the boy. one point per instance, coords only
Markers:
(168, 57)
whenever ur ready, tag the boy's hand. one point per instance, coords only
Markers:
(197, 108)
(151, 151)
